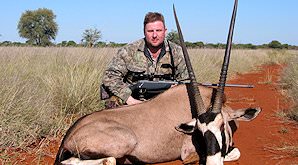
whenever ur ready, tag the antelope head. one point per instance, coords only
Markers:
(212, 123)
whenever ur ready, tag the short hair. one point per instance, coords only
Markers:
(152, 17)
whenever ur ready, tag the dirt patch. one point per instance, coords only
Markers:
(266, 139)
(261, 141)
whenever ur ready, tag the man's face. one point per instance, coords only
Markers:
(155, 33)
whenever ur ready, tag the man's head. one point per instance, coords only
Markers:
(154, 29)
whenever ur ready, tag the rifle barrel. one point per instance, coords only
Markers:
(229, 85)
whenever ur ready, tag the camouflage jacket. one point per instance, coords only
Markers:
(135, 58)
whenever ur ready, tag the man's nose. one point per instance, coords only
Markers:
(154, 34)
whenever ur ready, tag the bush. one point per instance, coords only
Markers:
(275, 45)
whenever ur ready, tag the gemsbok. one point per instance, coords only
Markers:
(150, 132)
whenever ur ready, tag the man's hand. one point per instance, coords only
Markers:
(131, 101)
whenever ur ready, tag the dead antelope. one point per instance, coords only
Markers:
(147, 132)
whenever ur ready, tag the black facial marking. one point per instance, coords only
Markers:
(207, 117)
(211, 143)
(233, 126)
(185, 128)
(200, 145)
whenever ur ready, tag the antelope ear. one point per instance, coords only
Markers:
(187, 128)
(247, 114)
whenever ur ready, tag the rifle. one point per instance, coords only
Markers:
(143, 87)
(157, 85)
(153, 85)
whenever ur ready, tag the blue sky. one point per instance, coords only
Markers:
(121, 21)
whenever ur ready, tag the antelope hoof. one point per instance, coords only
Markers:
(233, 155)
(77, 161)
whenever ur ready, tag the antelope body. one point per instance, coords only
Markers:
(139, 133)
(147, 132)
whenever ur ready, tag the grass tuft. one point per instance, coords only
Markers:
(289, 81)
(283, 151)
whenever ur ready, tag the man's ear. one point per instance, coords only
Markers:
(187, 128)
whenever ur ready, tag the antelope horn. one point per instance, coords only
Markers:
(217, 104)
(194, 92)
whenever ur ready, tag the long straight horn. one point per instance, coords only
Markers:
(194, 92)
(217, 104)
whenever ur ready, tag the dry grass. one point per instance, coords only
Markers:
(283, 151)
(44, 88)
(207, 62)
(289, 81)
(268, 78)
(41, 86)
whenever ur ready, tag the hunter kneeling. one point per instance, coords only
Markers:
(156, 61)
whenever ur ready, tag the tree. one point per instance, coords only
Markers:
(285, 46)
(173, 36)
(67, 44)
(63, 43)
(90, 36)
(275, 44)
(71, 43)
(100, 44)
(199, 44)
(38, 26)
(6, 43)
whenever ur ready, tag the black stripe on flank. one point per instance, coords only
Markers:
(211, 143)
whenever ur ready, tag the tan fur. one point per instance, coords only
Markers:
(145, 131)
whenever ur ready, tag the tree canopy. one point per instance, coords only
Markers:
(275, 44)
(38, 26)
(173, 36)
(91, 36)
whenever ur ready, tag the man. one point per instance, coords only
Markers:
(153, 58)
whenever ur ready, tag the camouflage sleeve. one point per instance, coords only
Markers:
(114, 75)
(181, 71)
